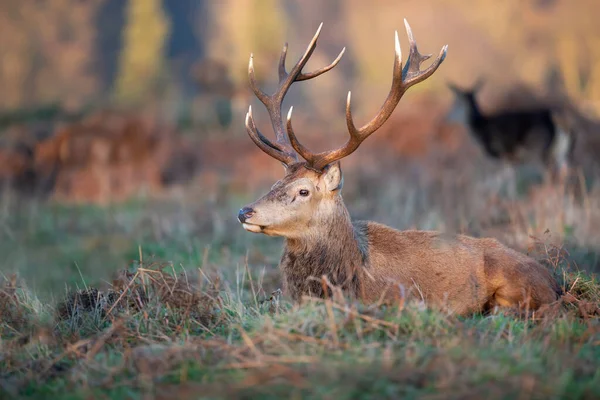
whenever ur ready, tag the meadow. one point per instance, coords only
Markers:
(167, 297)
(153, 290)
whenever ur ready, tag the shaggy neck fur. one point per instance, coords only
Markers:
(331, 247)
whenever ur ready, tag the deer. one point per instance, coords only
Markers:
(541, 135)
(366, 260)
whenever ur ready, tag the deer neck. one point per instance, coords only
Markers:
(474, 113)
(332, 247)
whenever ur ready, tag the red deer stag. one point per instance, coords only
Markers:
(368, 260)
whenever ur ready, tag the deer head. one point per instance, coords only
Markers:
(465, 102)
(309, 193)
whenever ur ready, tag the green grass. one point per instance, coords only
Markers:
(212, 341)
(165, 298)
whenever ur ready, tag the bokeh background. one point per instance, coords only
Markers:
(78, 54)
(121, 125)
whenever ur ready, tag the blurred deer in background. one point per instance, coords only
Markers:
(542, 135)
(365, 259)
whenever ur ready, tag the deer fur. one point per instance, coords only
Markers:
(371, 261)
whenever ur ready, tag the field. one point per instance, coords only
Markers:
(168, 297)
(124, 272)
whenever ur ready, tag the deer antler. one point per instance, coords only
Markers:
(282, 149)
(403, 78)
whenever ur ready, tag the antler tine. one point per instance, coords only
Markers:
(296, 74)
(262, 96)
(276, 150)
(299, 147)
(317, 161)
(402, 80)
(282, 71)
(299, 75)
(314, 74)
(265, 144)
(282, 148)
(412, 74)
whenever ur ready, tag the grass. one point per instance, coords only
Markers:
(153, 331)
(171, 299)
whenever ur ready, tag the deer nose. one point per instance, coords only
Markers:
(245, 213)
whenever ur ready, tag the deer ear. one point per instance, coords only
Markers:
(477, 85)
(333, 177)
(453, 87)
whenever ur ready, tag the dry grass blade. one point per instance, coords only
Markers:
(328, 306)
(131, 282)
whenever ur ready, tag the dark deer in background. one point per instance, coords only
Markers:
(368, 260)
(541, 135)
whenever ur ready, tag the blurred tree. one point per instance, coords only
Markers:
(68, 51)
(141, 59)
(326, 96)
(185, 45)
(15, 62)
(110, 21)
(47, 52)
(261, 27)
(235, 29)
(240, 27)
(184, 49)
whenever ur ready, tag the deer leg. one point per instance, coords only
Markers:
(558, 159)
(507, 178)
(510, 297)
(525, 291)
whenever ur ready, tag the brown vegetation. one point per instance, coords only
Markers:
(107, 156)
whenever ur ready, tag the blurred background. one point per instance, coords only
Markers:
(122, 135)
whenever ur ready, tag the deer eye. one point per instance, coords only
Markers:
(303, 192)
